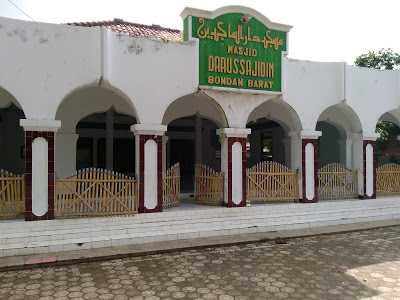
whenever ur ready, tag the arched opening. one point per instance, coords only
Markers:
(192, 138)
(387, 154)
(11, 134)
(272, 124)
(105, 141)
(268, 142)
(95, 132)
(387, 144)
(273, 153)
(341, 129)
(332, 144)
(12, 157)
(339, 155)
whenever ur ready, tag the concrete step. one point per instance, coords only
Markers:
(178, 234)
(21, 238)
(155, 224)
(187, 216)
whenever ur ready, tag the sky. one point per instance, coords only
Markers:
(323, 30)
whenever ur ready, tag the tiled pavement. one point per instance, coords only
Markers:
(358, 265)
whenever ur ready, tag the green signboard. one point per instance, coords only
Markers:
(237, 51)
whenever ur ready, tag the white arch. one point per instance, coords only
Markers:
(343, 117)
(192, 104)
(6, 99)
(347, 122)
(278, 111)
(91, 99)
(392, 116)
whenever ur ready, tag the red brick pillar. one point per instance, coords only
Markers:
(234, 164)
(149, 165)
(309, 165)
(39, 168)
(369, 168)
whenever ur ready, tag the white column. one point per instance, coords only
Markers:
(358, 160)
(110, 139)
(168, 152)
(164, 153)
(66, 153)
(233, 164)
(295, 153)
(148, 139)
(198, 139)
(309, 167)
(39, 168)
(349, 152)
(369, 144)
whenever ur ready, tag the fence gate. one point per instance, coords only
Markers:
(171, 187)
(388, 179)
(12, 195)
(335, 181)
(96, 192)
(208, 185)
(270, 181)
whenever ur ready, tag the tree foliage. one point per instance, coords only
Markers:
(387, 131)
(384, 59)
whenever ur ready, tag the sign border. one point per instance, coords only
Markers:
(188, 12)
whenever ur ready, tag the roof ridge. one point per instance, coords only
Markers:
(117, 21)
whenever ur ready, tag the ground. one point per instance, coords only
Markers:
(358, 265)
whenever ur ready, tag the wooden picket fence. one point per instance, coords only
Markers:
(12, 195)
(208, 185)
(335, 181)
(172, 187)
(388, 179)
(96, 192)
(270, 181)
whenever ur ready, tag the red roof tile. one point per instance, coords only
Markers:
(135, 29)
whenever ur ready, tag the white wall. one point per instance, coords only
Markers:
(310, 87)
(41, 63)
(151, 73)
(44, 63)
(372, 93)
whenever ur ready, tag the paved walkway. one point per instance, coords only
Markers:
(358, 265)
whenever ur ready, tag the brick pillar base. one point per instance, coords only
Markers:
(369, 169)
(35, 208)
(149, 150)
(309, 163)
(234, 164)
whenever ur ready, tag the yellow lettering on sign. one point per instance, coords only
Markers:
(228, 65)
(239, 36)
(225, 81)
